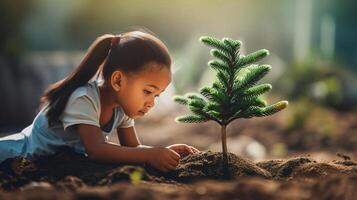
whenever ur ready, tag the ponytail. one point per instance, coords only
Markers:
(57, 94)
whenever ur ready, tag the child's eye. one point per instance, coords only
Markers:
(147, 92)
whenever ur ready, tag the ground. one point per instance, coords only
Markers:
(68, 175)
(314, 164)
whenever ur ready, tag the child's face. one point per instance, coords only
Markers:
(138, 91)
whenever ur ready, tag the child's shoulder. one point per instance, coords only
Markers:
(89, 90)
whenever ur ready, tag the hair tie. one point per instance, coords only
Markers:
(115, 40)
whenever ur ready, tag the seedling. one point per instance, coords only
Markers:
(234, 93)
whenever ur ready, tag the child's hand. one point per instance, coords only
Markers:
(163, 158)
(183, 149)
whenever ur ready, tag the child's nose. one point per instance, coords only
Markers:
(150, 103)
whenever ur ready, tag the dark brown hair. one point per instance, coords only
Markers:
(128, 52)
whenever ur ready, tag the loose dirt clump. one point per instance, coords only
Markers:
(209, 165)
(306, 167)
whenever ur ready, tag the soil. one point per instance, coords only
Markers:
(68, 175)
(318, 161)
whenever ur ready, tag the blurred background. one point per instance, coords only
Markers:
(313, 54)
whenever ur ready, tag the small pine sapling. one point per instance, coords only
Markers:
(234, 93)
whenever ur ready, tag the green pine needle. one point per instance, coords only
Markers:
(191, 119)
(269, 110)
(221, 55)
(254, 74)
(223, 78)
(216, 43)
(206, 92)
(255, 111)
(257, 90)
(253, 57)
(212, 106)
(259, 102)
(214, 114)
(219, 96)
(219, 66)
(180, 99)
(198, 103)
(234, 44)
(195, 97)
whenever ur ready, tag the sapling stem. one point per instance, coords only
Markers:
(224, 142)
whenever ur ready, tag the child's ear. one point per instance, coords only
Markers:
(116, 80)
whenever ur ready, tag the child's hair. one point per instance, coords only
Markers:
(127, 52)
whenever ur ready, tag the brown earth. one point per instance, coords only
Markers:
(68, 175)
(314, 173)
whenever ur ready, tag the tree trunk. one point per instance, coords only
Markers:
(224, 142)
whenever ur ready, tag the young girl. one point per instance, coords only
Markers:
(80, 111)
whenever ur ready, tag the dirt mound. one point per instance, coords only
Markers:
(209, 165)
(66, 168)
(306, 167)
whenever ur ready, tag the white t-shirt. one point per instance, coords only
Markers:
(83, 107)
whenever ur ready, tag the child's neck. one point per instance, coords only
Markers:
(107, 102)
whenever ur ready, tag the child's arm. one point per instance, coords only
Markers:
(98, 150)
(128, 137)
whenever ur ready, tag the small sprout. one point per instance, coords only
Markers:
(136, 176)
